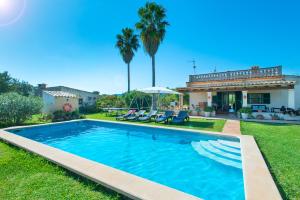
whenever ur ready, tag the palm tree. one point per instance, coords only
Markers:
(127, 43)
(152, 27)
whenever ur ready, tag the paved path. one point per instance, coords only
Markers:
(232, 126)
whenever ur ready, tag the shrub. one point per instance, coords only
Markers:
(61, 115)
(260, 117)
(275, 117)
(246, 110)
(88, 109)
(208, 109)
(15, 108)
(108, 101)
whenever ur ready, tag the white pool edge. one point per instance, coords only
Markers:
(258, 182)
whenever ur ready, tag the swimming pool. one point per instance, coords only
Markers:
(203, 165)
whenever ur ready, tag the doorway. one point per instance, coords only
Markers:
(228, 102)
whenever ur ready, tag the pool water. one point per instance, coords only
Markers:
(203, 165)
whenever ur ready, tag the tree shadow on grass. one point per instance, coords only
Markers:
(196, 124)
(276, 124)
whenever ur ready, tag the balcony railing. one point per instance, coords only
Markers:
(254, 72)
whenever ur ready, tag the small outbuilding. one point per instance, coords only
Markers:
(59, 100)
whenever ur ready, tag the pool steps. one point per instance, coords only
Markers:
(224, 147)
(230, 144)
(225, 152)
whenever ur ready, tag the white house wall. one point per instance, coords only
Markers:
(61, 101)
(197, 97)
(278, 97)
(52, 104)
(49, 103)
(297, 89)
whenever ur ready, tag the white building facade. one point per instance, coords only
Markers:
(58, 100)
(229, 91)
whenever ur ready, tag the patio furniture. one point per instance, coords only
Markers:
(165, 118)
(259, 108)
(135, 116)
(124, 117)
(181, 117)
(275, 110)
(149, 116)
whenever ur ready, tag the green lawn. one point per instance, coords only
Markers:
(26, 176)
(197, 124)
(280, 145)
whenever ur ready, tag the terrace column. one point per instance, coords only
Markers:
(180, 100)
(209, 99)
(244, 96)
(291, 98)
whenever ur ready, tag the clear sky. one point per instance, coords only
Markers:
(71, 42)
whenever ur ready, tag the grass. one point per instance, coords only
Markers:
(280, 145)
(27, 176)
(196, 124)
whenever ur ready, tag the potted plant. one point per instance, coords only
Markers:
(245, 112)
(198, 110)
(207, 111)
(275, 116)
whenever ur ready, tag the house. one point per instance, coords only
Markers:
(231, 90)
(84, 98)
(59, 100)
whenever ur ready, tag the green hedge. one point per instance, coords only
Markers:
(15, 108)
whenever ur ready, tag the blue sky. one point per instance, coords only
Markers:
(71, 42)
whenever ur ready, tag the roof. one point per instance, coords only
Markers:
(240, 85)
(60, 94)
(64, 88)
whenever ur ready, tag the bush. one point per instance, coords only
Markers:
(260, 117)
(208, 109)
(246, 110)
(109, 101)
(61, 115)
(15, 108)
(88, 109)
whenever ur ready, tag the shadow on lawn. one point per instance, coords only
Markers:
(199, 124)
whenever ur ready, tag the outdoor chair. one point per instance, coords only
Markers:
(181, 117)
(125, 116)
(149, 116)
(136, 115)
(165, 117)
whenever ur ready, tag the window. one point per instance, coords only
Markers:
(259, 98)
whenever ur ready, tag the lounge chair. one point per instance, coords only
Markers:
(149, 116)
(181, 117)
(136, 115)
(165, 117)
(124, 117)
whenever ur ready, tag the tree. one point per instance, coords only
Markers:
(152, 27)
(15, 108)
(127, 43)
(9, 84)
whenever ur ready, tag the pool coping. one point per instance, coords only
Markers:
(258, 182)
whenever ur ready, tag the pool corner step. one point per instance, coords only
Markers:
(201, 149)
(230, 144)
(226, 148)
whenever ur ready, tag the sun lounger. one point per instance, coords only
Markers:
(124, 117)
(136, 115)
(165, 118)
(149, 116)
(181, 117)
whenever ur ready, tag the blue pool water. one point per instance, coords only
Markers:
(206, 166)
